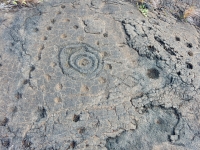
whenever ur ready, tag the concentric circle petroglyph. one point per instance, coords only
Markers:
(80, 61)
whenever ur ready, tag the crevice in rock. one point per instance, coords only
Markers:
(170, 50)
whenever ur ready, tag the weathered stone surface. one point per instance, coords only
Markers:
(155, 128)
(97, 74)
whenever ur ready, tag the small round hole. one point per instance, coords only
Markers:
(76, 118)
(153, 73)
(26, 81)
(75, 26)
(105, 34)
(189, 45)
(36, 30)
(179, 73)
(177, 38)
(62, 6)
(151, 48)
(190, 53)
(49, 28)
(53, 21)
(189, 65)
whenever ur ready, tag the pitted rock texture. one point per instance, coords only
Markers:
(97, 74)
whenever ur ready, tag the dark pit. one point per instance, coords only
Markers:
(189, 65)
(76, 118)
(190, 53)
(105, 34)
(62, 6)
(49, 28)
(73, 144)
(5, 143)
(4, 121)
(177, 38)
(189, 45)
(76, 27)
(153, 73)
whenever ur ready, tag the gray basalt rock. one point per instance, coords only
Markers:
(97, 74)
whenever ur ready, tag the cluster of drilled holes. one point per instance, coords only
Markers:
(190, 53)
(189, 45)
(189, 65)
(177, 38)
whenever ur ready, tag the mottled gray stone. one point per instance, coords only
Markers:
(97, 74)
(155, 128)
